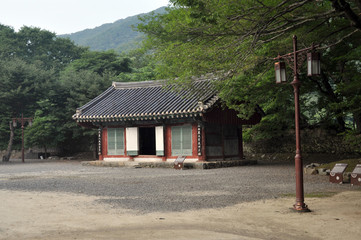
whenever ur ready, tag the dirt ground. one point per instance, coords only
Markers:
(35, 215)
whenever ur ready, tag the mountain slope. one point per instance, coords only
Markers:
(119, 35)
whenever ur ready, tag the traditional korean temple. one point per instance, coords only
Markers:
(155, 121)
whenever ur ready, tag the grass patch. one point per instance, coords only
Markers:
(351, 164)
(320, 194)
(312, 195)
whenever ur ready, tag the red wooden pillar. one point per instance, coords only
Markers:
(104, 143)
(165, 143)
(168, 141)
(195, 140)
(203, 156)
(240, 143)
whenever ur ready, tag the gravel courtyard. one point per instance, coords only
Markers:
(144, 192)
(158, 189)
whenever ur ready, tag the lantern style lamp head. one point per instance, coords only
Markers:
(313, 64)
(280, 70)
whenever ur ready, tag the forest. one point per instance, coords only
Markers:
(47, 77)
(240, 39)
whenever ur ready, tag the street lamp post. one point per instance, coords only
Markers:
(295, 60)
(22, 120)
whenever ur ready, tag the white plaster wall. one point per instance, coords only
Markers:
(132, 139)
(159, 138)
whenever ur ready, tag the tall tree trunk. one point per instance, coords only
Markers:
(7, 155)
(357, 119)
(326, 88)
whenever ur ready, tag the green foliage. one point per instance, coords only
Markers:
(30, 63)
(312, 195)
(353, 138)
(141, 64)
(21, 85)
(101, 62)
(8, 41)
(82, 86)
(46, 128)
(237, 40)
(47, 78)
(36, 45)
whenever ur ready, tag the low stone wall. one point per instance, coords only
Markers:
(290, 157)
(317, 146)
(28, 153)
(14, 154)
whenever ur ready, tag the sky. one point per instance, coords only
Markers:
(69, 16)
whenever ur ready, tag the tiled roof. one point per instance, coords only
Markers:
(148, 100)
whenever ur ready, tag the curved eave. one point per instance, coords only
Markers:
(139, 117)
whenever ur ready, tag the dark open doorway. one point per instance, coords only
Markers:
(147, 141)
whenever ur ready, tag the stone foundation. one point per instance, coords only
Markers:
(187, 165)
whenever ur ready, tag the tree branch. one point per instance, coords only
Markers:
(358, 4)
(339, 41)
(343, 6)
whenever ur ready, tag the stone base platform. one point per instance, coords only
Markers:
(190, 165)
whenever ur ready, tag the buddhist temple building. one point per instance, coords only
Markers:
(156, 121)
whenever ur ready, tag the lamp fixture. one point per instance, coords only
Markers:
(280, 71)
(313, 64)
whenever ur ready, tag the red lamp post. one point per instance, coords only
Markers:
(22, 120)
(295, 60)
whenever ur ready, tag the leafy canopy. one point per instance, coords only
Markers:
(239, 39)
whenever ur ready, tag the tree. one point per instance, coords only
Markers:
(45, 130)
(101, 63)
(30, 63)
(8, 44)
(33, 44)
(80, 87)
(239, 39)
(21, 85)
(141, 65)
(7, 155)
(41, 45)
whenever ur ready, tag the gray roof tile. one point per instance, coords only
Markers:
(124, 100)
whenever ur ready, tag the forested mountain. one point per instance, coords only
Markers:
(119, 35)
